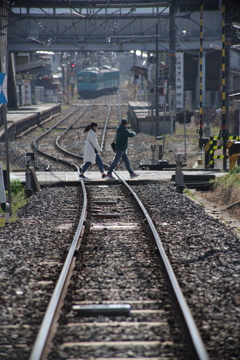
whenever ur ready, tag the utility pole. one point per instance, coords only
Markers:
(157, 127)
(134, 81)
(156, 83)
(172, 59)
(67, 79)
(4, 114)
(63, 81)
(200, 80)
(4, 56)
(225, 89)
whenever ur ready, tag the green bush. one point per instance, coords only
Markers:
(18, 199)
(232, 178)
(16, 187)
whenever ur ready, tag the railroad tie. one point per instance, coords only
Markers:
(106, 216)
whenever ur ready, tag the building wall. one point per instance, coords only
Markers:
(235, 59)
(3, 38)
(213, 81)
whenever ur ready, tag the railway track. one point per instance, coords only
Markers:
(117, 304)
(71, 138)
(50, 138)
(111, 300)
(197, 261)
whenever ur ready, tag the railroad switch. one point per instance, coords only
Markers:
(180, 159)
(160, 164)
(30, 159)
(28, 162)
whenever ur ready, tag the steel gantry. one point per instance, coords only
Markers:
(115, 26)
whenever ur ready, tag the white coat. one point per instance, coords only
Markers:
(90, 146)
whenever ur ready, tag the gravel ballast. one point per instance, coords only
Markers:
(33, 250)
(204, 254)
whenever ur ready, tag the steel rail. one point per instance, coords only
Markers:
(102, 140)
(38, 350)
(47, 323)
(197, 346)
(59, 122)
(64, 133)
(62, 161)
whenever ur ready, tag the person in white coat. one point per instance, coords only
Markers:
(91, 151)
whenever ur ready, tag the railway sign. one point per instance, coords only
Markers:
(179, 80)
(161, 99)
(3, 88)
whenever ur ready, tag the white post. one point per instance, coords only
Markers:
(2, 187)
(164, 118)
(185, 136)
(7, 219)
(179, 177)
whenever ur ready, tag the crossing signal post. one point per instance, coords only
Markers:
(225, 85)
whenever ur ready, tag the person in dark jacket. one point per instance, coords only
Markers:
(121, 139)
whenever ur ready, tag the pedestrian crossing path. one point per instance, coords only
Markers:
(48, 177)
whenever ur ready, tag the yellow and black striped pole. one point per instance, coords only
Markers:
(224, 131)
(200, 79)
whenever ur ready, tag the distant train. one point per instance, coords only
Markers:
(94, 81)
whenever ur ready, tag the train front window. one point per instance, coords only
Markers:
(80, 78)
(93, 78)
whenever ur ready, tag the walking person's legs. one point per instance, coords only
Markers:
(84, 168)
(127, 163)
(128, 166)
(100, 165)
(116, 160)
